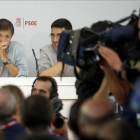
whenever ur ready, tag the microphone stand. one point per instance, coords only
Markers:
(37, 70)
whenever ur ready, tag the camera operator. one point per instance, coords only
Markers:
(91, 86)
(122, 89)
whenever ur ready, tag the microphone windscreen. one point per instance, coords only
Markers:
(56, 105)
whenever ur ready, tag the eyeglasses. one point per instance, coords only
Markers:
(53, 36)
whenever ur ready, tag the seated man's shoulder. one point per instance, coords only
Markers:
(17, 46)
(47, 47)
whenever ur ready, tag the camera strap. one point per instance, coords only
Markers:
(76, 74)
(63, 70)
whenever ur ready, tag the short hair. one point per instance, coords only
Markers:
(5, 24)
(74, 116)
(53, 90)
(120, 129)
(101, 26)
(7, 108)
(62, 23)
(91, 120)
(36, 112)
(18, 94)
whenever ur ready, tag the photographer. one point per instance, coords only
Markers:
(122, 87)
(95, 81)
(47, 87)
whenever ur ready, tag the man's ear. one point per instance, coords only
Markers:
(16, 110)
(53, 117)
(81, 128)
(69, 125)
(22, 122)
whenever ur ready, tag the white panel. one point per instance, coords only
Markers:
(65, 112)
(29, 81)
(66, 107)
(26, 90)
(67, 92)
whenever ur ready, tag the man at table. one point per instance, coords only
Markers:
(48, 64)
(12, 54)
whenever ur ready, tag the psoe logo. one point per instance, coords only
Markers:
(31, 23)
(25, 23)
(18, 22)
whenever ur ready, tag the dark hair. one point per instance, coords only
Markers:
(101, 26)
(120, 129)
(53, 88)
(62, 23)
(36, 112)
(6, 25)
(74, 115)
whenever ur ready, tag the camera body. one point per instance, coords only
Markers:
(77, 48)
(59, 121)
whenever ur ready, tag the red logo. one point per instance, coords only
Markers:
(18, 22)
(25, 23)
(31, 23)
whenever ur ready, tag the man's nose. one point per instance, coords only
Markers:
(55, 38)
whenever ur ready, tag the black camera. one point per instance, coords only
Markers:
(57, 106)
(59, 121)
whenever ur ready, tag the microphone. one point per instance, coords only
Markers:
(37, 70)
(56, 105)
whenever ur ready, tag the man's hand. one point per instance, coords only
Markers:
(111, 57)
(120, 88)
(3, 47)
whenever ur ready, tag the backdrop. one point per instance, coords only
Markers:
(32, 19)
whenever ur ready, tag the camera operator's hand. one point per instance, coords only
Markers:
(103, 91)
(111, 57)
(63, 132)
(120, 88)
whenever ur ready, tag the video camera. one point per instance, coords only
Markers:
(76, 48)
(57, 105)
